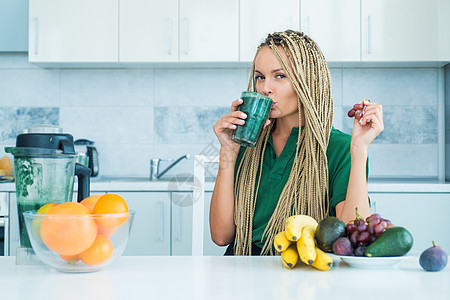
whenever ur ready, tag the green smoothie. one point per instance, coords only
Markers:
(257, 108)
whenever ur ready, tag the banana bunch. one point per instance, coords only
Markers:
(296, 243)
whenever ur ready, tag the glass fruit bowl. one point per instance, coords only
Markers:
(78, 243)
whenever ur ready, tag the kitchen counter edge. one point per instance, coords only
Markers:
(187, 186)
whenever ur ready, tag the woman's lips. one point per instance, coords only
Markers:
(273, 105)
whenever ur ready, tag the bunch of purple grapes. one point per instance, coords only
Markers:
(357, 111)
(362, 233)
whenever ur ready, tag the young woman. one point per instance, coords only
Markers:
(301, 164)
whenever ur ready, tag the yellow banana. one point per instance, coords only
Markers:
(295, 224)
(290, 257)
(280, 242)
(323, 261)
(306, 246)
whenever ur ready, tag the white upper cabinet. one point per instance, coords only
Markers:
(444, 30)
(404, 30)
(73, 31)
(209, 30)
(148, 31)
(260, 17)
(334, 26)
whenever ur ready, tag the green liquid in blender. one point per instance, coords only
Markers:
(22, 207)
(35, 189)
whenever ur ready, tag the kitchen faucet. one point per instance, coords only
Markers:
(154, 166)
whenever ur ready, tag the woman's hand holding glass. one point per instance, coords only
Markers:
(229, 122)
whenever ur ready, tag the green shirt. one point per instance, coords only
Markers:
(276, 170)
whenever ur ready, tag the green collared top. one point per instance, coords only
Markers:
(276, 170)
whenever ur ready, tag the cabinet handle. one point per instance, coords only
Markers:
(179, 222)
(36, 35)
(186, 27)
(369, 34)
(161, 235)
(170, 35)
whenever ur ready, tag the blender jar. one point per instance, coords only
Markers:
(40, 180)
(45, 168)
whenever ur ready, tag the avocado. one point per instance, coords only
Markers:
(395, 241)
(328, 231)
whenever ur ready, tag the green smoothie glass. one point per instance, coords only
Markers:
(257, 108)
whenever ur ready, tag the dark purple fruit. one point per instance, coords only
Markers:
(433, 259)
(360, 250)
(364, 237)
(361, 227)
(375, 217)
(354, 238)
(342, 246)
(351, 227)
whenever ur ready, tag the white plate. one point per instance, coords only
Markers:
(372, 262)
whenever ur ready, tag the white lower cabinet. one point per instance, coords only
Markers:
(14, 235)
(424, 215)
(150, 231)
(182, 226)
(163, 224)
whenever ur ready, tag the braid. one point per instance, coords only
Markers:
(306, 190)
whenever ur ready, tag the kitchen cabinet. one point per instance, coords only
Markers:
(14, 26)
(182, 226)
(258, 18)
(425, 215)
(209, 30)
(4, 224)
(148, 31)
(150, 231)
(73, 31)
(14, 234)
(130, 31)
(334, 26)
(405, 30)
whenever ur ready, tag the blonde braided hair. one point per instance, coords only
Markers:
(306, 191)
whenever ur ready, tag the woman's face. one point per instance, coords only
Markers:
(272, 81)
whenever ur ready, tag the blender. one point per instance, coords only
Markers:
(45, 168)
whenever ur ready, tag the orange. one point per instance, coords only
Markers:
(71, 259)
(36, 225)
(69, 228)
(100, 251)
(110, 204)
(90, 201)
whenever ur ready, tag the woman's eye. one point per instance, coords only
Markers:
(258, 78)
(281, 76)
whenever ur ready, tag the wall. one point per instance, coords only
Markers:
(134, 115)
(447, 123)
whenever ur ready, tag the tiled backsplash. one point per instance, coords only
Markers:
(134, 115)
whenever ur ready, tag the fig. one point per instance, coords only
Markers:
(433, 259)
(342, 246)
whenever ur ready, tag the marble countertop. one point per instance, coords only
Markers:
(219, 277)
(117, 184)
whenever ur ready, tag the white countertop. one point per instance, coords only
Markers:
(143, 184)
(186, 277)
